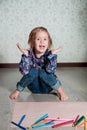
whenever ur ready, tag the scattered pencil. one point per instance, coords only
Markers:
(82, 118)
(45, 121)
(20, 122)
(21, 127)
(22, 119)
(62, 124)
(41, 118)
(85, 124)
(76, 119)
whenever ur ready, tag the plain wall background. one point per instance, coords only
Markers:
(66, 20)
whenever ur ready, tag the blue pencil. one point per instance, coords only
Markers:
(23, 128)
(44, 125)
(22, 119)
(41, 118)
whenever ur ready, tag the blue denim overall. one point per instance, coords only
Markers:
(38, 80)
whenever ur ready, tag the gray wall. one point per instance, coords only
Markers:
(66, 21)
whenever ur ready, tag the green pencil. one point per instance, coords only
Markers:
(80, 120)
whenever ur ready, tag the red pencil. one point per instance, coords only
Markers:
(62, 124)
(74, 122)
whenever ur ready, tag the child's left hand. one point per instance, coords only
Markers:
(57, 50)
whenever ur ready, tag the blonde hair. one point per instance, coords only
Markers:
(32, 37)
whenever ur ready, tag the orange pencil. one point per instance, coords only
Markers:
(85, 124)
(80, 125)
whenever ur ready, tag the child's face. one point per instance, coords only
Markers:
(41, 42)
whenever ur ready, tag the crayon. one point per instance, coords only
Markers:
(23, 128)
(22, 119)
(41, 122)
(44, 125)
(38, 120)
(62, 124)
(41, 118)
(57, 119)
(80, 125)
(76, 119)
(85, 124)
(82, 118)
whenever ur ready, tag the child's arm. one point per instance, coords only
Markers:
(56, 50)
(51, 63)
(24, 51)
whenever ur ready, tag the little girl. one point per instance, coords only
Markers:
(38, 65)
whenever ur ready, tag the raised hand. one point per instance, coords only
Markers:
(57, 50)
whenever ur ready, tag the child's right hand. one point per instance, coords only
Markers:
(24, 51)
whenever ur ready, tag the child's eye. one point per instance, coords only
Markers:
(45, 39)
(38, 39)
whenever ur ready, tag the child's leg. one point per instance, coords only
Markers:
(25, 81)
(63, 96)
(49, 78)
(54, 83)
(60, 91)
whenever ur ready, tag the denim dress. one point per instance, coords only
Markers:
(38, 73)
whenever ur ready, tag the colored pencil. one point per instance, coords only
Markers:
(44, 125)
(85, 124)
(42, 122)
(41, 118)
(23, 128)
(57, 119)
(22, 119)
(80, 125)
(76, 119)
(82, 118)
(62, 124)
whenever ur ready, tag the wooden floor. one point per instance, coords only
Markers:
(74, 82)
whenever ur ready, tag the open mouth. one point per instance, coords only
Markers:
(41, 46)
